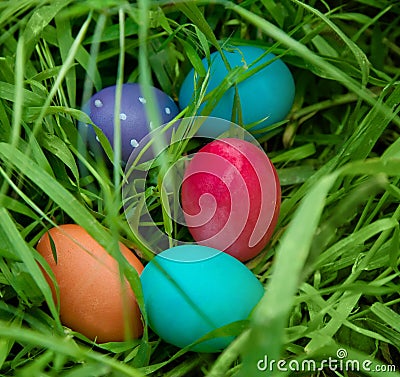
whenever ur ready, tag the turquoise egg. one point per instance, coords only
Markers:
(266, 96)
(191, 290)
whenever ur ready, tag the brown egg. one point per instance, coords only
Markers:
(93, 301)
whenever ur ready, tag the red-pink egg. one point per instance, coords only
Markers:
(231, 197)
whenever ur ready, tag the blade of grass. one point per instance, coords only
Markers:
(271, 314)
(196, 16)
(9, 234)
(65, 346)
(373, 125)
(17, 105)
(15, 206)
(65, 41)
(388, 315)
(63, 72)
(40, 18)
(354, 48)
(8, 92)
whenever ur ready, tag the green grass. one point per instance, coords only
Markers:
(331, 270)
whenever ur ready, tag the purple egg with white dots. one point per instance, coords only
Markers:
(135, 124)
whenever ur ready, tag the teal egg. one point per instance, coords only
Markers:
(266, 96)
(191, 290)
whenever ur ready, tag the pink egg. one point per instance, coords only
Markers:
(231, 197)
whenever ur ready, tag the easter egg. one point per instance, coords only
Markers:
(265, 97)
(191, 290)
(134, 122)
(230, 197)
(92, 299)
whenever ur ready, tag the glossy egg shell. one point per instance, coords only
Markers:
(269, 93)
(133, 118)
(191, 290)
(231, 197)
(91, 293)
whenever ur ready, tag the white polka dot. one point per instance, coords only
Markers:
(122, 116)
(98, 103)
(97, 138)
(134, 143)
(167, 110)
(151, 124)
(142, 99)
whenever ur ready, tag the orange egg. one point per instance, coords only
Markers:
(93, 300)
